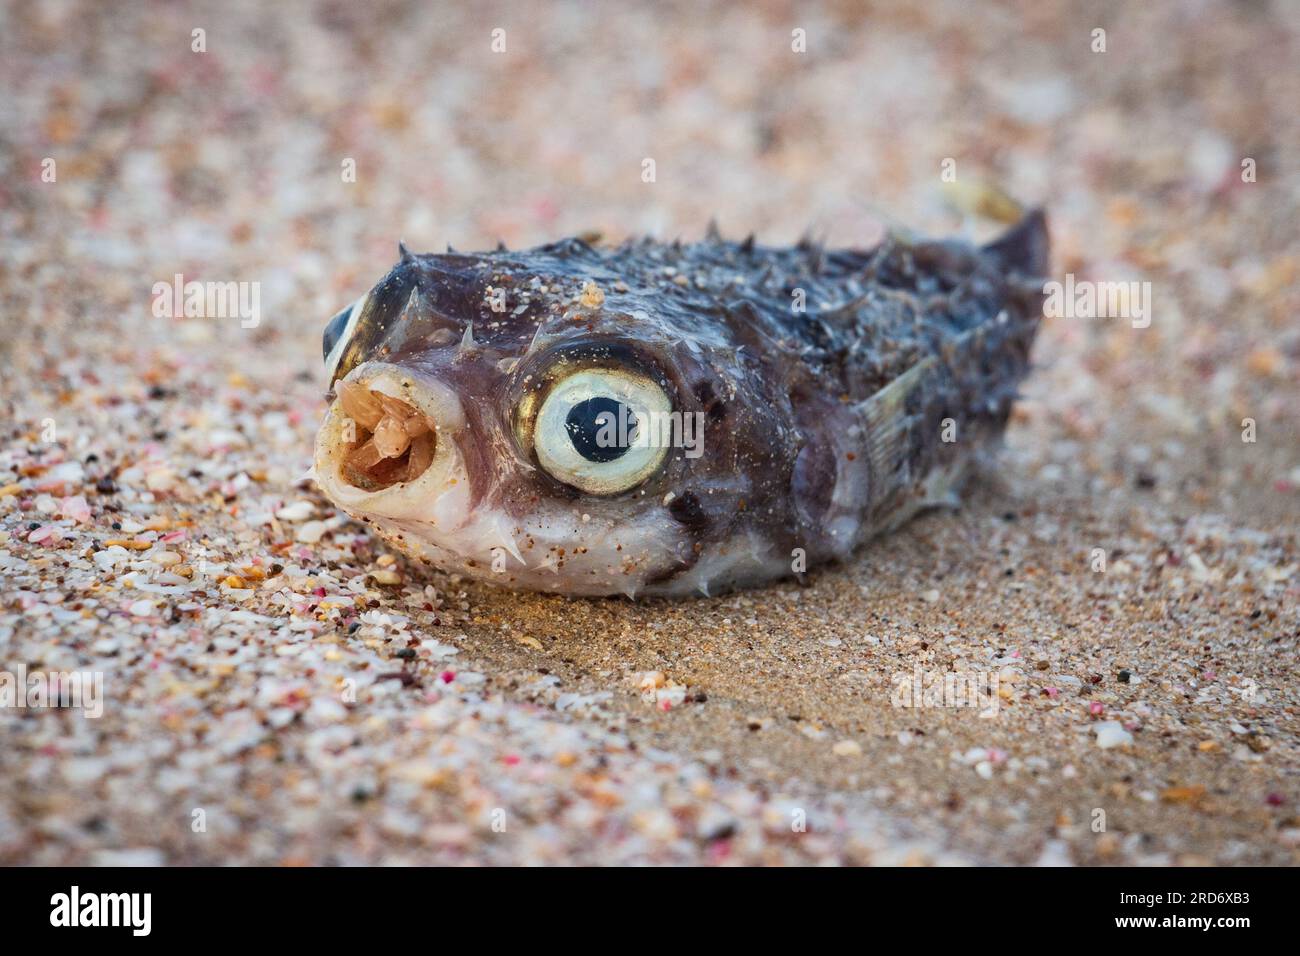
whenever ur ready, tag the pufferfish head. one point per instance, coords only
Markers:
(517, 419)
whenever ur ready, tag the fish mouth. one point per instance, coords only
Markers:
(393, 441)
(388, 443)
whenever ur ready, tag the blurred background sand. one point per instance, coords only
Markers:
(349, 708)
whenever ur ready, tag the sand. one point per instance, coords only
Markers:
(279, 689)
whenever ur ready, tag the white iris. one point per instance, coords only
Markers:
(632, 435)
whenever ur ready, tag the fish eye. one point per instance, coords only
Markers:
(597, 430)
(333, 332)
(338, 332)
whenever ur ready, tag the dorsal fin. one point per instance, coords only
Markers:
(1025, 247)
(404, 254)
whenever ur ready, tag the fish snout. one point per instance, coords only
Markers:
(389, 430)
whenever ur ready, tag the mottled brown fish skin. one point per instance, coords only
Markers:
(823, 427)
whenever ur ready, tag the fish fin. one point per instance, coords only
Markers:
(1025, 247)
(405, 254)
(888, 425)
(940, 487)
(890, 419)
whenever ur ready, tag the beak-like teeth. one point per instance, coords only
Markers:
(390, 440)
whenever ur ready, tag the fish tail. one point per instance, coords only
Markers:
(1025, 248)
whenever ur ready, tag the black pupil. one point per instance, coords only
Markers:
(334, 331)
(601, 428)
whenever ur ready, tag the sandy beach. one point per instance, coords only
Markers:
(279, 688)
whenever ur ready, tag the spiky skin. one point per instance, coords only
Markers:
(808, 451)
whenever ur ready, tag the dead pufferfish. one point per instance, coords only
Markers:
(671, 418)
